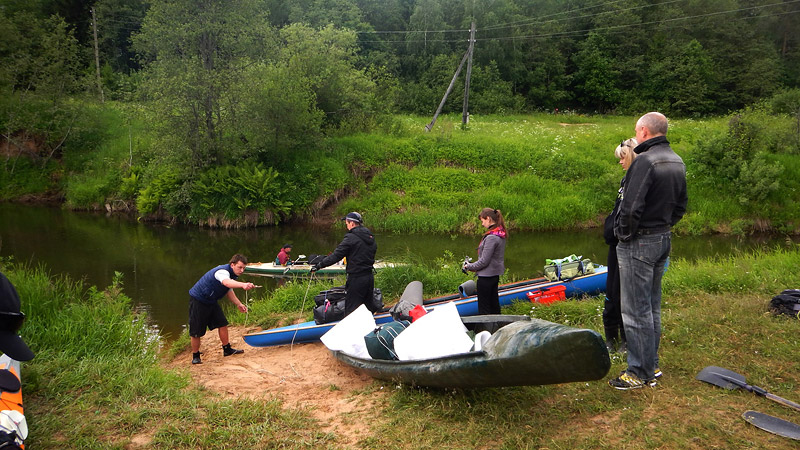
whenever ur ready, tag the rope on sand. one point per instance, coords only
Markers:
(302, 308)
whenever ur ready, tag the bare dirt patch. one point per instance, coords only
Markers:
(302, 376)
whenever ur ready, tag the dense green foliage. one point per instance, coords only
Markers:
(301, 99)
(685, 58)
(234, 191)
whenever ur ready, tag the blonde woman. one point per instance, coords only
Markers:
(612, 314)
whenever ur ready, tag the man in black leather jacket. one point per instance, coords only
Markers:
(655, 200)
(359, 247)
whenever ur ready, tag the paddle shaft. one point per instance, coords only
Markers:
(761, 391)
(289, 266)
(782, 401)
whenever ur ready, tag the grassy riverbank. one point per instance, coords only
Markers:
(97, 381)
(544, 171)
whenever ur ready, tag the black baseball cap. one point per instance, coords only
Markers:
(353, 216)
(11, 319)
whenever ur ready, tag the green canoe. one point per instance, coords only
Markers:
(522, 352)
(270, 269)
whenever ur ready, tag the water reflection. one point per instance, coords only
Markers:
(160, 263)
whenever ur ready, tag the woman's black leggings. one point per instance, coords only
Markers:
(488, 300)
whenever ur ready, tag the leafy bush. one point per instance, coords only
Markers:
(786, 102)
(739, 159)
(20, 176)
(90, 191)
(232, 191)
(129, 185)
(490, 94)
(152, 195)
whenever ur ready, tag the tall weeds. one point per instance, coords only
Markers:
(96, 381)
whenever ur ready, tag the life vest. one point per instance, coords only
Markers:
(208, 289)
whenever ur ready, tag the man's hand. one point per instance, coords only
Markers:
(248, 286)
(242, 307)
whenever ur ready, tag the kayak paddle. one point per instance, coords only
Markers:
(773, 424)
(728, 379)
(8, 381)
(289, 266)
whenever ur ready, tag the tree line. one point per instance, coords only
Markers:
(684, 57)
(224, 81)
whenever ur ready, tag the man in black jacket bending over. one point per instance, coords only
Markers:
(359, 247)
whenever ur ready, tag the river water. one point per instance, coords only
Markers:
(160, 263)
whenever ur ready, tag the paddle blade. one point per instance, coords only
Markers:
(721, 377)
(8, 381)
(773, 424)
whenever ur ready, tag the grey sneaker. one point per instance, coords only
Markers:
(196, 358)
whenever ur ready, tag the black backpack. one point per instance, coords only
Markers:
(331, 304)
(329, 312)
(787, 302)
(332, 295)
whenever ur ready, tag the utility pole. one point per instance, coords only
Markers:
(429, 126)
(97, 58)
(465, 112)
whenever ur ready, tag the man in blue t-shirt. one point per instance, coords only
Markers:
(204, 309)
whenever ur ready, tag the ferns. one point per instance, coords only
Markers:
(232, 191)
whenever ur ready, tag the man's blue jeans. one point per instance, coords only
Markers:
(641, 268)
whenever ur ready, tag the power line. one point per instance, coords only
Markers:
(620, 27)
(403, 41)
(538, 20)
(576, 32)
(412, 31)
(527, 21)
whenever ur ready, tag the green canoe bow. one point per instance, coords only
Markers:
(523, 352)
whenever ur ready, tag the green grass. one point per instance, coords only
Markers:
(544, 171)
(97, 382)
(706, 323)
(103, 386)
(21, 176)
(109, 141)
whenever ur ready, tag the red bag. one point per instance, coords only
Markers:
(417, 312)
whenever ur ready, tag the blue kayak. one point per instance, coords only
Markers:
(591, 284)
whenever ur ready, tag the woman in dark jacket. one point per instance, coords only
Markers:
(490, 263)
(612, 312)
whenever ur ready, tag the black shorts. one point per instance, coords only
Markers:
(204, 316)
